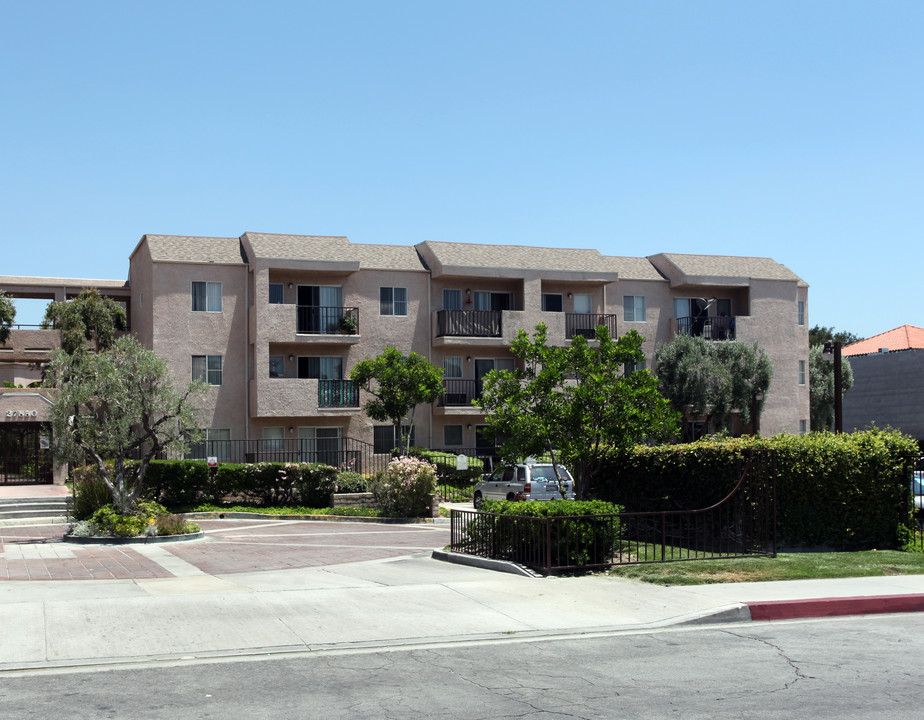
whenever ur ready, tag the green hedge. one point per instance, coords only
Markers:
(844, 491)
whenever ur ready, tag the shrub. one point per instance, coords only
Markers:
(404, 488)
(351, 482)
(90, 492)
(148, 518)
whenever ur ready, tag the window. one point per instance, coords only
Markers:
(633, 308)
(803, 427)
(452, 435)
(801, 312)
(384, 440)
(322, 368)
(322, 444)
(689, 307)
(392, 301)
(633, 367)
(552, 302)
(277, 366)
(802, 372)
(276, 294)
(452, 367)
(582, 303)
(493, 300)
(206, 297)
(207, 368)
(215, 442)
(274, 438)
(452, 299)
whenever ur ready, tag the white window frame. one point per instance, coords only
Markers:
(210, 369)
(210, 299)
(393, 301)
(633, 308)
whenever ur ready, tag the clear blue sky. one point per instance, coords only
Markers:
(784, 129)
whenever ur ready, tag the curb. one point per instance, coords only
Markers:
(133, 540)
(832, 607)
(484, 563)
(219, 515)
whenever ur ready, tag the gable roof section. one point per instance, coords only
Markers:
(720, 269)
(635, 268)
(450, 258)
(186, 248)
(906, 337)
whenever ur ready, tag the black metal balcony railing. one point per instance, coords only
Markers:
(709, 328)
(321, 320)
(468, 323)
(460, 393)
(338, 394)
(586, 323)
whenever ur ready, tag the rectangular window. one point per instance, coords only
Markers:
(276, 294)
(206, 297)
(801, 312)
(633, 308)
(452, 367)
(277, 366)
(384, 440)
(322, 368)
(215, 442)
(633, 367)
(552, 302)
(495, 301)
(582, 303)
(452, 435)
(802, 372)
(803, 427)
(324, 445)
(392, 301)
(452, 299)
(207, 368)
(273, 439)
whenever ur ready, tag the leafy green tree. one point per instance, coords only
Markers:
(576, 403)
(819, 335)
(821, 388)
(398, 384)
(713, 380)
(7, 315)
(117, 405)
(87, 318)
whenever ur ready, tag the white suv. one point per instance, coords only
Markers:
(525, 481)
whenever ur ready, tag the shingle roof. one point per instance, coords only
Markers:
(185, 248)
(726, 266)
(518, 257)
(634, 268)
(388, 257)
(906, 337)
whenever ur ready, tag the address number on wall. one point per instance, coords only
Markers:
(21, 413)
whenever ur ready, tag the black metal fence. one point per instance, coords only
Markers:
(321, 320)
(468, 323)
(586, 324)
(338, 394)
(743, 524)
(710, 328)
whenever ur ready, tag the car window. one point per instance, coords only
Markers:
(547, 472)
(521, 474)
(508, 475)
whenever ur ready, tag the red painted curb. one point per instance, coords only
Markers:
(830, 607)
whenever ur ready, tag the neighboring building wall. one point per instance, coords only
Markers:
(888, 390)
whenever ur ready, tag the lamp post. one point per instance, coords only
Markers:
(832, 351)
(756, 397)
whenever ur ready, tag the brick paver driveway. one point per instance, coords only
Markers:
(231, 546)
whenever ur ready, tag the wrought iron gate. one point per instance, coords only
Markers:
(25, 454)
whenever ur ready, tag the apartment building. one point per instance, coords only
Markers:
(274, 324)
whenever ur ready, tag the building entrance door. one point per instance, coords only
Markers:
(25, 454)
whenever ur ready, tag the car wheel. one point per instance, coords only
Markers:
(478, 501)
(511, 497)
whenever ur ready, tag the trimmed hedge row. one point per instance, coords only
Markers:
(844, 491)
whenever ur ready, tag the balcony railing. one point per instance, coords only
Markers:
(321, 320)
(586, 323)
(709, 328)
(338, 394)
(468, 323)
(460, 393)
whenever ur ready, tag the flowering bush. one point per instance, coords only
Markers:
(148, 518)
(404, 488)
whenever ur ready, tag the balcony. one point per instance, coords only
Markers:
(708, 328)
(322, 320)
(586, 323)
(338, 394)
(468, 323)
(459, 393)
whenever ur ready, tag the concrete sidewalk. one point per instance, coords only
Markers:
(409, 600)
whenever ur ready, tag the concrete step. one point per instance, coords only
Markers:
(30, 508)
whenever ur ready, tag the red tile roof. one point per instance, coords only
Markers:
(906, 337)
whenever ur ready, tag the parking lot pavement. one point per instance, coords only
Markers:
(38, 552)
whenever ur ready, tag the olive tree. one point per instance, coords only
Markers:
(87, 318)
(118, 405)
(577, 403)
(398, 384)
(713, 380)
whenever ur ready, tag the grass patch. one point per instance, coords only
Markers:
(785, 566)
(288, 510)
